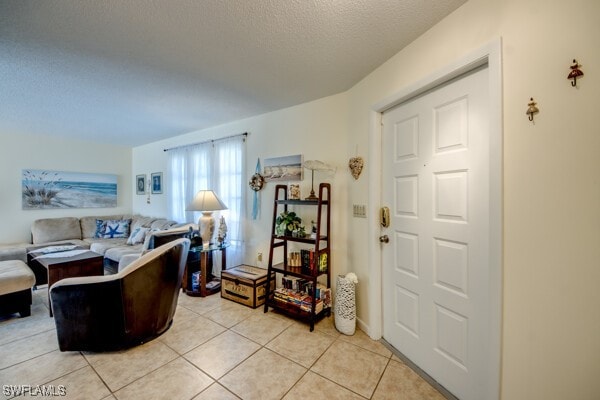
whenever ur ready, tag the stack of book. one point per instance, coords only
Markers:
(297, 299)
(299, 293)
(296, 284)
(310, 264)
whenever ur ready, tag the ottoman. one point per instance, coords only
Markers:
(16, 281)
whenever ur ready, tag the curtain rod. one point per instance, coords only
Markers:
(206, 141)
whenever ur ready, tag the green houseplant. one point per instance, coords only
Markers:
(286, 223)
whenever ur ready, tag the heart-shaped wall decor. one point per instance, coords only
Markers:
(356, 166)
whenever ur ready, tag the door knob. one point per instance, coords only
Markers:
(384, 239)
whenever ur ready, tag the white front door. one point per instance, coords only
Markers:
(436, 301)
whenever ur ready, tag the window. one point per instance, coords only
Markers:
(217, 165)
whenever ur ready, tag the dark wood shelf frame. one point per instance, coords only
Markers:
(296, 312)
(320, 246)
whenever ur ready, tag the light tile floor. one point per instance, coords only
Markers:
(216, 349)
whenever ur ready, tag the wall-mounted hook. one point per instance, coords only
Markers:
(575, 72)
(148, 191)
(532, 109)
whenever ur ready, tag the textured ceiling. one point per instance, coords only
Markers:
(135, 71)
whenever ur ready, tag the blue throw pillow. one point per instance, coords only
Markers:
(112, 228)
(116, 228)
(100, 228)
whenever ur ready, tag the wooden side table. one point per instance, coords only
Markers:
(201, 259)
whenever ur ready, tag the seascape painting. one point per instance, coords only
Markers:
(43, 189)
(283, 168)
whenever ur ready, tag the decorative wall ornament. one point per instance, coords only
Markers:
(356, 165)
(532, 109)
(257, 182)
(283, 168)
(43, 189)
(140, 184)
(148, 193)
(157, 182)
(575, 72)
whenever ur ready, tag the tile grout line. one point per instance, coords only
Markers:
(309, 369)
(381, 377)
(336, 383)
(29, 359)
(25, 337)
(97, 374)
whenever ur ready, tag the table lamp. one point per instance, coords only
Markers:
(206, 201)
(316, 165)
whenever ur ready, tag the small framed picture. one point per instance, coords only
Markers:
(140, 184)
(294, 192)
(156, 182)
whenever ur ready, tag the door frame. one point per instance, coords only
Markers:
(490, 55)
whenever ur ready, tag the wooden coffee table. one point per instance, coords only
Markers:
(85, 263)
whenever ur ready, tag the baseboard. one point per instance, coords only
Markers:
(364, 327)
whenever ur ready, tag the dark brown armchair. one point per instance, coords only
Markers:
(112, 312)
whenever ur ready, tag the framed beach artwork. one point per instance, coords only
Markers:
(156, 182)
(140, 184)
(42, 189)
(287, 168)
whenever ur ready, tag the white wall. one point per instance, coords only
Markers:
(23, 151)
(551, 192)
(551, 270)
(146, 162)
(317, 130)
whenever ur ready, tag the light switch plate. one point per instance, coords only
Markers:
(359, 210)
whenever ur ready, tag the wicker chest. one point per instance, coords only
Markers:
(246, 285)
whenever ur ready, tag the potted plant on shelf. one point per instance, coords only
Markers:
(299, 233)
(286, 223)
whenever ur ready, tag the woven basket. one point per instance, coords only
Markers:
(345, 306)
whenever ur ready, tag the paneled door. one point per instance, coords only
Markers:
(436, 266)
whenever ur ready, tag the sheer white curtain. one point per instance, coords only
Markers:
(189, 171)
(230, 159)
(219, 166)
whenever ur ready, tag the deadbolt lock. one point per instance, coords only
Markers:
(384, 239)
(384, 217)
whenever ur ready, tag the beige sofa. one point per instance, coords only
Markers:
(83, 231)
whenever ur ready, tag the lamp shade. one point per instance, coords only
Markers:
(316, 165)
(206, 200)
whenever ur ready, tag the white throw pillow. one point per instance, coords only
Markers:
(137, 235)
